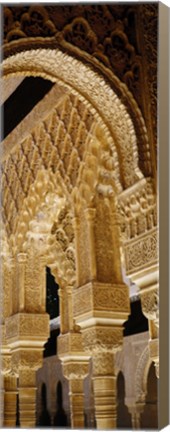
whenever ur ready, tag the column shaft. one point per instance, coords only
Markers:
(10, 401)
(105, 402)
(76, 403)
(27, 407)
(90, 217)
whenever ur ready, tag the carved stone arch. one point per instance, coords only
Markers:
(59, 67)
(119, 87)
(142, 369)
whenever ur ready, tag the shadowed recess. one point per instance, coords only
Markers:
(22, 101)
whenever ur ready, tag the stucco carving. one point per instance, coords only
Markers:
(70, 344)
(27, 326)
(103, 364)
(75, 369)
(22, 359)
(141, 375)
(141, 252)
(95, 89)
(6, 364)
(100, 297)
(150, 305)
(102, 338)
(101, 35)
(138, 210)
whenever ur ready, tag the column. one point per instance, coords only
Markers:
(150, 308)
(146, 277)
(103, 341)
(1, 400)
(104, 384)
(21, 261)
(76, 394)
(100, 300)
(75, 365)
(10, 400)
(76, 222)
(69, 291)
(90, 214)
(27, 397)
(26, 335)
(136, 412)
(63, 308)
(5, 366)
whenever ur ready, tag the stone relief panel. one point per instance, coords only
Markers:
(137, 210)
(27, 326)
(141, 252)
(96, 297)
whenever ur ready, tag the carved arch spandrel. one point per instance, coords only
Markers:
(54, 65)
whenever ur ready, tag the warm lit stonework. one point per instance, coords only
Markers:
(79, 199)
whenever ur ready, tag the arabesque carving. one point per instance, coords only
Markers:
(108, 37)
(22, 359)
(75, 369)
(137, 211)
(142, 251)
(100, 297)
(103, 364)
(102, 338)
(96, 91)
(27, 326)
(73, 186)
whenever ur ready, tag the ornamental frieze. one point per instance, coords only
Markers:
(141, 252)
(96, 296)
(29, 326)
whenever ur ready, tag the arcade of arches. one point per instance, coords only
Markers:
(79, 196)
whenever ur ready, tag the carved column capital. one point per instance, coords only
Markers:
(102, 339)
(5, 352)
(136, 410)
(6, 363)
(71, 345)
(150, 305)
(75, 369)
(27, 359)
